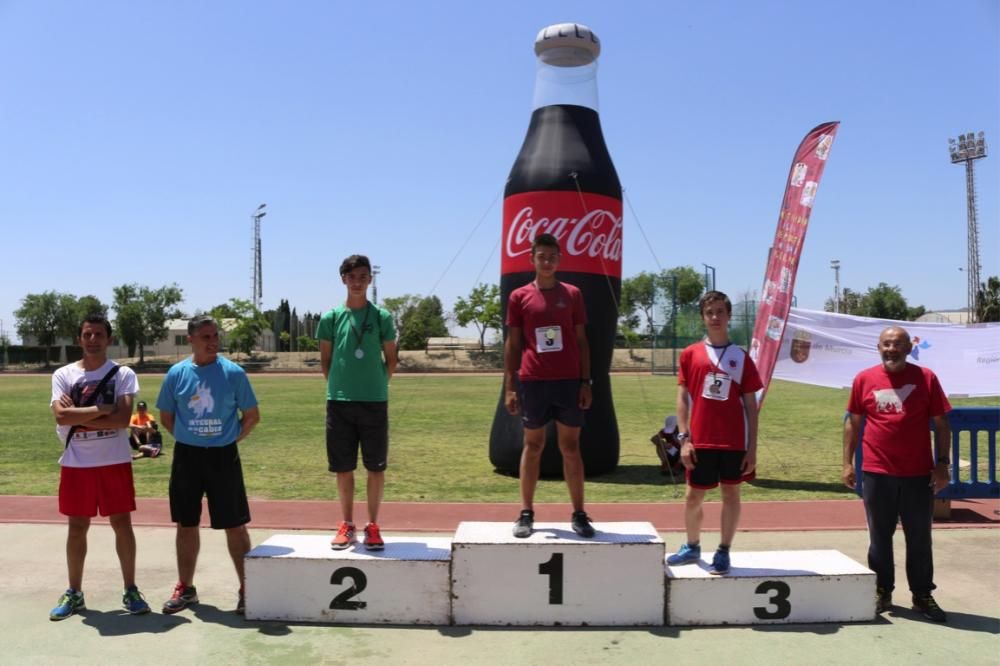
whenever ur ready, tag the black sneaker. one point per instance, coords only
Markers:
(581, 524)
(929, 608)
(525, 524)
(183, 596)
(241, 603)
(883, 601)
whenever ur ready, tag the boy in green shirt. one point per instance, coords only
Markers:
(357, 343)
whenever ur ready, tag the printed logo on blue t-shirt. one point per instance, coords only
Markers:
(202, 404)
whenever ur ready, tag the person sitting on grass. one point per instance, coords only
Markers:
(140, 426)
(153, 445)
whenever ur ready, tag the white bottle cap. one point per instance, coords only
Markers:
(567, 45)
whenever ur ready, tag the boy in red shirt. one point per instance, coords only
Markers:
(547, 376)
(717, 424)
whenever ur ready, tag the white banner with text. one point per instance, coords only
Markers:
(827, 349)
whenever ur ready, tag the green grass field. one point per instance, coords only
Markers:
(439, 434)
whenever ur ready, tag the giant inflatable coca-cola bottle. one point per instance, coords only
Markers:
(563, 183)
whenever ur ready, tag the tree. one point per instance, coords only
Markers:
(88, 305)
(988, 300)
(424, 320)
(852, 302)
(223, 311)
(46, 317)
(399, 306)
(482, 310)
(307, 343)
(142, 314)
(249, 323)
(885, 302)
(690, 284)
(638, 293)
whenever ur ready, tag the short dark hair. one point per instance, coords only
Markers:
(544, 240)
(712, 297)
(355, 261)
(198, 321)
(141, 404)
(97, 319)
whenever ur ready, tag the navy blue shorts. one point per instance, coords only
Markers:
(545, 400)
(715, 465)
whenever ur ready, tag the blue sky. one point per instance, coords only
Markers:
(136, 138)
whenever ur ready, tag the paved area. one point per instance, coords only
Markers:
(33, 566)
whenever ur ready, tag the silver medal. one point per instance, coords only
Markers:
(359, 353)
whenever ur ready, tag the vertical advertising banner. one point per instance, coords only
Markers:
(783, 260)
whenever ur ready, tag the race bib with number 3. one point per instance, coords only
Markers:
(548, 339)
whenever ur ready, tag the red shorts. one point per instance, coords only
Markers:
(83, 491)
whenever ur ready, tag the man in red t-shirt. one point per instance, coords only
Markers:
(901, 471)
(717, 428)
(547, 376)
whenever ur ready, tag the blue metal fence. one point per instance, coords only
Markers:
(982, 424)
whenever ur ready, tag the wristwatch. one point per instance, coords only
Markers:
(587, 380)
(943, 460)
(682, 436)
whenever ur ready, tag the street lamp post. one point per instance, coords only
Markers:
(969, 148)
(375, 271)
(257, 288)
(835, 265)
(709, 268)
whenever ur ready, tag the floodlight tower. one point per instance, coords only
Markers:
(969, 148)
(257, 289)
(835, 265)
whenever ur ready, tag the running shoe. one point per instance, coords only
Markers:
(581, 524)
(241, 602)
(373, 540)
(720, 563)
(883, 600)
(926, 605)
(183, 596)
(70, 602)
(345, 536)
(525, 524)
(687, 554)
(134, 602)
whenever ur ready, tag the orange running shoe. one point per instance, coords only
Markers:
(345, 537)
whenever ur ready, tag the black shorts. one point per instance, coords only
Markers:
(212, 471)
(715, 465)
(349, 424)
(544, 400)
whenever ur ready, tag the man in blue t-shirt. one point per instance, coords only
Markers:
(207, 404)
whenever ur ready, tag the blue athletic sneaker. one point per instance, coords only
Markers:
(70, 602)
(133, 601)
(720, 563)
(686, 555)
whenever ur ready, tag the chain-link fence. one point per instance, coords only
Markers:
(675, 326)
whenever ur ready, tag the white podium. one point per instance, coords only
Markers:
(772, 587)
(555, 577)
(298, 577)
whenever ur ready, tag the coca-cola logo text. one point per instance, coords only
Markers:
(597, 234)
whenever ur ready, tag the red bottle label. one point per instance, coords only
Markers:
(587, 226)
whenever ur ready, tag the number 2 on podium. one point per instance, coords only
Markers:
(554, 570)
